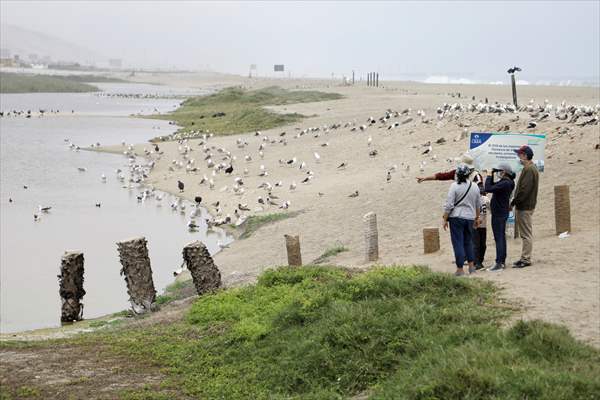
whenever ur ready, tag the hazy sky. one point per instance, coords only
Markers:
(546, 38)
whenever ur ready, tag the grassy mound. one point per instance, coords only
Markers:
(390, 333)
(234, 110)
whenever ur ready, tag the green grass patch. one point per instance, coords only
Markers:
(28, 392)
(319, 332)
(330, 252)
(255, 222)
(176, 291)
(234, 110)
(27, 83)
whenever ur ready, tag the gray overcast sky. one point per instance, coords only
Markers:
(554, 39)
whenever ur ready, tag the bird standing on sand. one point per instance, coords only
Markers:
(181, 186)
(388, 178)
(192, 225)
(198, 200)
(355, 194)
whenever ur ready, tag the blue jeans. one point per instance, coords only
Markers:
(461, 235)
(499, 229)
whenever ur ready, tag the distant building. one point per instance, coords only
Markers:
(33, 57)
(115, 63)
(5, 58)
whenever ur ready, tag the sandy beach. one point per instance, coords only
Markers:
(563, 285)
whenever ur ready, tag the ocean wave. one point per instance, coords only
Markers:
(457, 80)
(443, 79)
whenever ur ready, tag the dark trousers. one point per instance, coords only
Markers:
(479, 244)
(461, 235)
(499, 230)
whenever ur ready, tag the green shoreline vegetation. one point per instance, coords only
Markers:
(29, 83)
(322, 332)
(234, 110)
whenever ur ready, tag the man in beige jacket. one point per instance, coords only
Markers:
(525, 200)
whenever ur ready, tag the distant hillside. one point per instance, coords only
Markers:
(24, 42)
(26, 83)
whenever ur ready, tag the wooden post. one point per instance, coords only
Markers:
(368, 79)
(205, 274)
(71, 286)
(431, 240)
(562, 209)
(138, 274)
(514, 89)
(371, 237)
(377, 80)
(292, 244)
(353, 77)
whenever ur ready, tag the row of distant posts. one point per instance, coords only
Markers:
(373, 79)
(137, 271)
(431, 236)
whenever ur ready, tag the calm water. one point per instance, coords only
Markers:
(33, 153)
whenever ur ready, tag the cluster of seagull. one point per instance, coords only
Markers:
(28, 113)
(537, 112)
(218, 164)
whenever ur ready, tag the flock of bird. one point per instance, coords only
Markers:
(217, 165)
(29, 113)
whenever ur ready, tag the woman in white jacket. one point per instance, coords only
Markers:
(461, 212)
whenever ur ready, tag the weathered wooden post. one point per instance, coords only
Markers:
(377, 79)
(352, 77)
(371, 237)
(431, 240)
(205, 274)
(562, 209)
(138, 274)
(514, 89)
(292, 245)
(368, 79)
(71, 286)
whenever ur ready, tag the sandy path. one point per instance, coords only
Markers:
(564, 284)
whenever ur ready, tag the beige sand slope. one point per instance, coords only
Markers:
(564, 284)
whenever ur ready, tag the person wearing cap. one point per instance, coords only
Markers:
(501, 190)
(461, 213)
(451, 175)
(524, 201)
